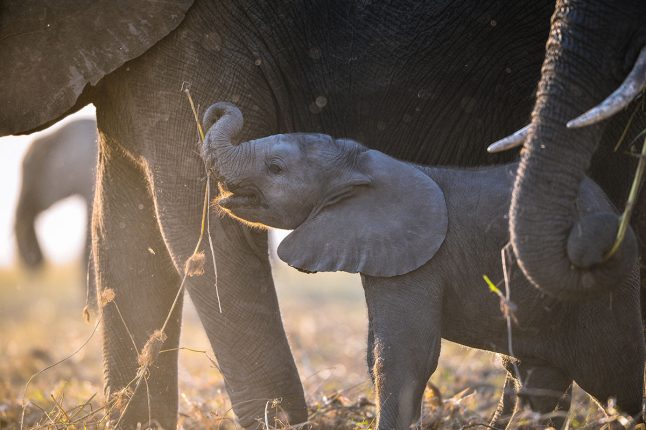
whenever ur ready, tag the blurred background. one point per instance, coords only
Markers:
(61, 229)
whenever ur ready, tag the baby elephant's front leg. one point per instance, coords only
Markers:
(405, 323)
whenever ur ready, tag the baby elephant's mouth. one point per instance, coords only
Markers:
(235, 196)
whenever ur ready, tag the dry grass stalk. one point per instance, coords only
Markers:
(206, 220)
(24, 401)
(624, 219)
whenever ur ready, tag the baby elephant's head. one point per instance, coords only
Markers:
(277, 180)
(353, 209)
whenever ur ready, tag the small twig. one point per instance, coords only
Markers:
(132, 339)
(208, 231)
(507, 306)
(46, 415)
(200, 131)
(88, 415)
(140, 376)
(184, 348)
(630, 204)
(150, 415)
(503, 254)
(59, 405)
(266, 415)
(627, 127)
(81, 408)
(205, 217)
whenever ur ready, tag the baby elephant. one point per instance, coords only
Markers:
(422, 239)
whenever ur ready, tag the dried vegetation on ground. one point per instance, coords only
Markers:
(325, 318)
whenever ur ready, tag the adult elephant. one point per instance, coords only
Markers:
(57, 165)
(594, 48)
(430, 82)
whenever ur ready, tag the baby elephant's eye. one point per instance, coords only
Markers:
(275, 168)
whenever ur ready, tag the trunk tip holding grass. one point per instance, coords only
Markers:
(566, 251)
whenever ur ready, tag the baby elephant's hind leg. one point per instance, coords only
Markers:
(546, 390)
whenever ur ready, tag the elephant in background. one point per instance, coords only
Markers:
(595, 47)
(56, 166)
(388, 74)
(422, 237)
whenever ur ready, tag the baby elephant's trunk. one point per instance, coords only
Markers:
(223, 121)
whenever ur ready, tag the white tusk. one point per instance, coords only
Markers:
(510, 141)
(627, 91)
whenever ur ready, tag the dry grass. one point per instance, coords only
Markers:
(41, 322)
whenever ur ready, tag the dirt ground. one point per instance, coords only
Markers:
(325, 318)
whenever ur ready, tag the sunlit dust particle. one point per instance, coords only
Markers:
(321, 101)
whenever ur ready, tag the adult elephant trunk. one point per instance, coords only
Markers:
(561, 252)
(224, 122)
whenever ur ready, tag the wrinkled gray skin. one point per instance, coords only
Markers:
(56, 166)
(358, 210)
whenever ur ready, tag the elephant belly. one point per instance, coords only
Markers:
(397, 78)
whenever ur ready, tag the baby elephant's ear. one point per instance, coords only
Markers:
(388, 227)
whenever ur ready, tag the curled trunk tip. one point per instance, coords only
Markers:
(224, 122)
(220, 110)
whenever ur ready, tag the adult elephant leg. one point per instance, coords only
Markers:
(144, 106)
(131, 260)
(247, 337)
